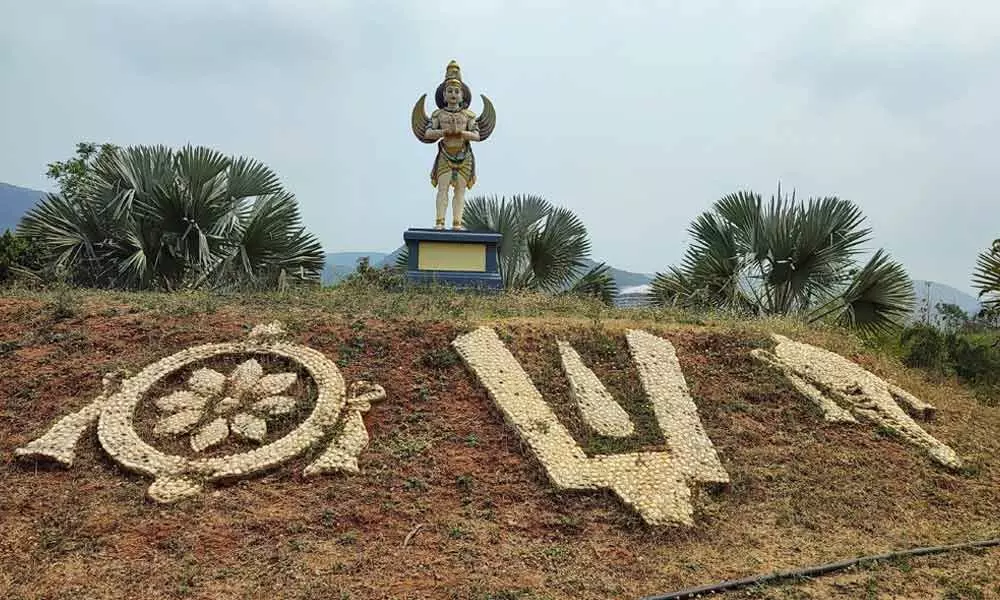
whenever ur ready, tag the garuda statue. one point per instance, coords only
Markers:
(456, 127)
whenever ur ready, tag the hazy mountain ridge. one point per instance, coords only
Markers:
(14, 202)
(930, 293)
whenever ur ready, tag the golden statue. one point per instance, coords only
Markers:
(456, 126)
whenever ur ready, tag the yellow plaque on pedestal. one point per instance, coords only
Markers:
(444, 256)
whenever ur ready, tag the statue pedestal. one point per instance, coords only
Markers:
(462, 259)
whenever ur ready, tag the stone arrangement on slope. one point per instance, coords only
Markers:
(843, 389)
(676, 413)
(597, 408)
(211, 405)
(177, 477)
(655, 484)
(342, 453)
(248, 389)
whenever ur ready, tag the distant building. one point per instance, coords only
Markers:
(631, 297)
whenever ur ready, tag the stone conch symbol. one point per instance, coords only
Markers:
(178, 477)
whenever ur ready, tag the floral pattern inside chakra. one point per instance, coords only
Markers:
(240, 403)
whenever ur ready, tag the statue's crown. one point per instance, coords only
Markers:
(453, 73)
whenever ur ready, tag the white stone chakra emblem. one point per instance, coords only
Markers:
(655, 484)
(211, 407)
(842, 389)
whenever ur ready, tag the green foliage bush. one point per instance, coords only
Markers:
(923, 346)
(975, 358)
(18, 254)
(971, 356)
(155, 218)
(365, 275)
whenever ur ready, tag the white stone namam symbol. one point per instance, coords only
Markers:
(655, 484)
(240, 404)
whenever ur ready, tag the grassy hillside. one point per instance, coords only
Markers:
(447, 503)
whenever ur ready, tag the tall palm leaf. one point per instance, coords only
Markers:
(879, 298)
(542, 247)
(151, 217)
(556, 249)
(509, 219)
(270, 245)
(73, 235)
(812, 245)
(710, 270)
(673, 288)
(784, 257)
(987, 277)
(743, 211)
(597, 283)
(714, 260)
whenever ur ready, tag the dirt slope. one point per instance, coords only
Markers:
(442, 463)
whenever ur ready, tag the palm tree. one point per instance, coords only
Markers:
(149, 217)
(987, 277)
(786, 257)
(543, 248)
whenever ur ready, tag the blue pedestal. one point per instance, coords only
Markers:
(462, 259)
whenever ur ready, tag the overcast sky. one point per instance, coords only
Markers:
(636, 115)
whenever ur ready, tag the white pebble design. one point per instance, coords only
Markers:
(655, 484)
(598, 409)
(842, 389)
(178, 477)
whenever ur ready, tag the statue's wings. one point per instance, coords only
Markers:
(487, 120)
(420, 121)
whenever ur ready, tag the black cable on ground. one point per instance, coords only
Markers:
(726, 586)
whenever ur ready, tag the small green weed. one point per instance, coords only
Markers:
(405, 446)
(415, 484)
(348, 538)
(439, 358)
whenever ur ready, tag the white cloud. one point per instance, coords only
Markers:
(635, 114)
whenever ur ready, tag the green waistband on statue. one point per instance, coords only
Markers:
(460, 165)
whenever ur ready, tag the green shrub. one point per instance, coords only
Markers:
(365, 275)
(18, 253)
(975, 358)
(923, 346)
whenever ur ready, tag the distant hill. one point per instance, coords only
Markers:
(341, 264)
(930, 293)
(625, 279)
(14, 202)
